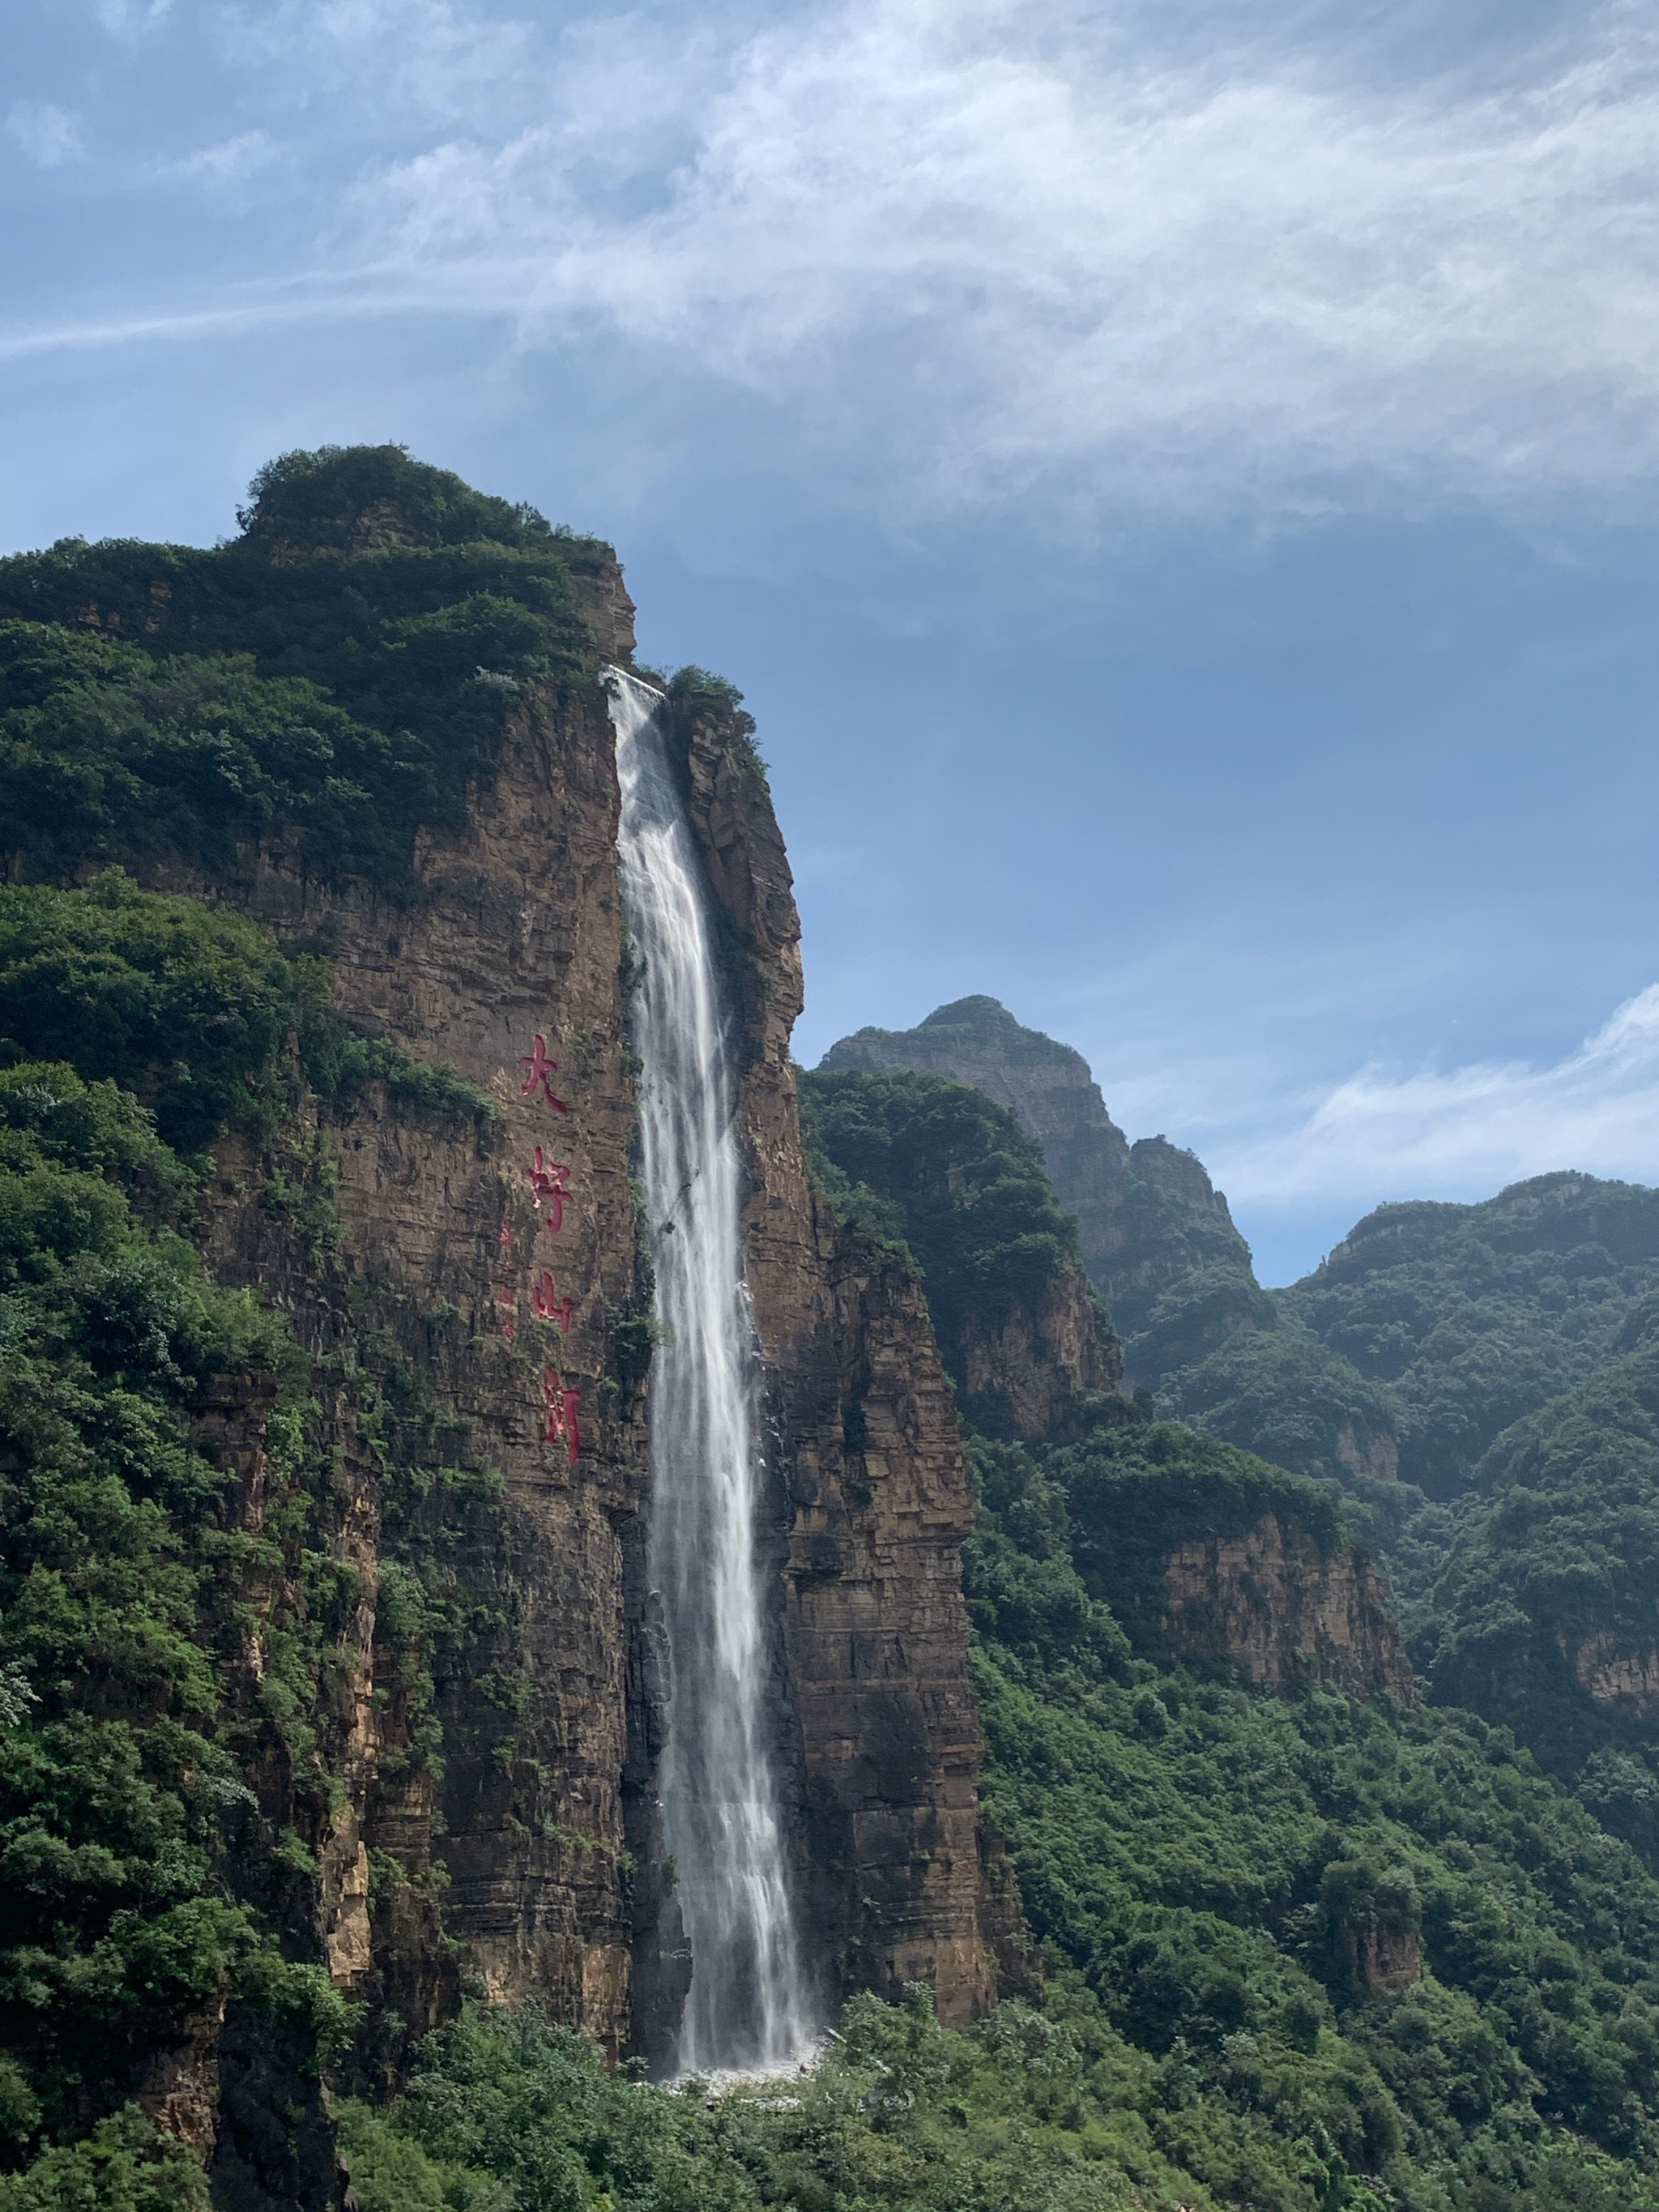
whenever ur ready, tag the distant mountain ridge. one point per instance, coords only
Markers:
(1480, 1375)
(1159, 1242)
(1147, 1214)
(1422, 1335)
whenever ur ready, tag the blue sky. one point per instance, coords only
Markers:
(1175, 482)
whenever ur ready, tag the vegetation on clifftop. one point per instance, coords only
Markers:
(342, 670)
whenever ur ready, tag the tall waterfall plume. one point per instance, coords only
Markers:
(747, 2008)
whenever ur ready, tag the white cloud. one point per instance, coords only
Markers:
(1466, 1132)
(448, 63)
(133, 19)
(229, 162)
(1097, 264)
(1002, 250)
(49, 136)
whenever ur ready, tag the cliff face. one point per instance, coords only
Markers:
(878, 1500)
(1284, 1611)
(1034, 1371)
(518, 1852)
(525, 1852)
(1616, 1672)
(473, 1796)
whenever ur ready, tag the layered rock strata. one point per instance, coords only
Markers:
(1286, 1610)
(878, 1500)
(523, 1835)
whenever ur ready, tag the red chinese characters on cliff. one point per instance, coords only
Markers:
(548, 1305)
(561, 1406)
(542, 1072)
(551, 1182)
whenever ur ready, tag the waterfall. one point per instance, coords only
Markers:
(746, 2009)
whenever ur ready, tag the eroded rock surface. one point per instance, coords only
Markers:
(517, 1832)
(1147, 1214)
(1286, 1610)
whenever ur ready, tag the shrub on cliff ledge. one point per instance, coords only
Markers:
(195, 1010)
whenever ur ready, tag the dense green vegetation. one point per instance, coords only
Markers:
(1439, 1324)
(197, 1011)
(142, 1882)
(1277, 1389)
(1178, 1276)
(1234, 1892)
(342, 670)
(1029, 2113)
(1473, 1315)
(1211, 1861)
(951, 1178)
(121, 1584)
(1182, 1282)
(1244, 1888)
(1547, 1614)
(1505, 1347)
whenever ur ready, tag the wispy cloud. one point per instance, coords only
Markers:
(133, 19)
(1467, 1131)
(945, 255)
(451, 65)
(230, 161)
(1006, 249)
(49, 136)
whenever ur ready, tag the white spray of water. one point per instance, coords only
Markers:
(746, 2010)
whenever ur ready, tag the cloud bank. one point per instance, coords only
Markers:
(1012, 248)
(1255, 264)
(49, 136)
(1467, 1132)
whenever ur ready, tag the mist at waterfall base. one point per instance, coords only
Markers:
(748, 2008)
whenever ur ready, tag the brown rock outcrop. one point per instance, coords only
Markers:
(503, 1814)
(1617, 1670)
(1372, 1454)
(1386, 1958)
(1037, 1368)
(1285, 1611)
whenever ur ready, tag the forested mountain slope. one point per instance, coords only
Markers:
(1473, 1315)
(1471, 1373)
(1327, 1916)
(1546, 1616)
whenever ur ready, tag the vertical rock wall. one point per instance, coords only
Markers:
(1285, 1611)
(529, 1840)
(877, 1500)
(517, 933)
